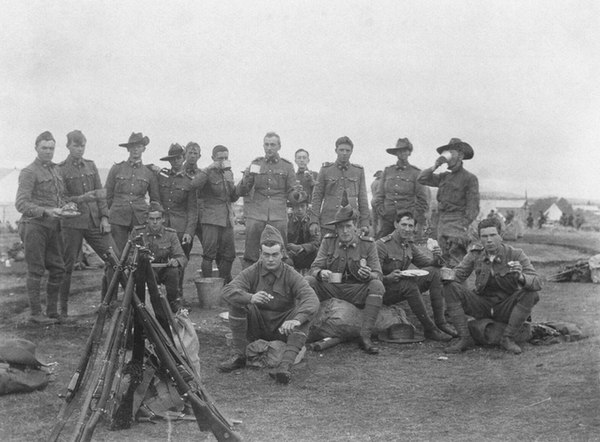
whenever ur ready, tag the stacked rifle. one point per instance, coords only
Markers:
(95, 385)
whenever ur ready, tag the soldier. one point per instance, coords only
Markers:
(397, 252)
(127, 184)
(399, 191)
(266, 187)
(39, 200)
(192, 155)
(302, 244)
(458, 198)
(164, 244)
(269, 300)
(215, 184)
(305, 177)
(506, 286)
(355, 259)
(81, 176)
(335, 178)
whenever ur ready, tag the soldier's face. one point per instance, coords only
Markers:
(176, 162)
(403, 154)
(76, 150)
(45, 150)
(302, 160)
(271, 256)
(406, 227)
(491, 239)
(155, 221)
(456, 157)
(343, 151)
(300, 210)
(136, 151)
(192, 156)
(271, 146)
(346, 230)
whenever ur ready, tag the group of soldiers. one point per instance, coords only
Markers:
(307, 238)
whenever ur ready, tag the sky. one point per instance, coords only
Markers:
(519, 81)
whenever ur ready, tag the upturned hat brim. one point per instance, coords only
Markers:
(170, 157)
(465, 148)
(144, 142)
(19, 351)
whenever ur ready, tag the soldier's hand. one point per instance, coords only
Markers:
(439, 161)
(365, 230)
(294, 248)
(186, 238)
(173, 263)
(314, 229)
(364, 272)
(437, 251)
(396, 275)
(325, 274)
(55, 212)
(261, 297)
(288, 326)
(104, 225)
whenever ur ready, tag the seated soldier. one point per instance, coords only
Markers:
(269, 300)
(355, 259)
(164, 244)
(302, 245)
(396, 252)
(506, 286)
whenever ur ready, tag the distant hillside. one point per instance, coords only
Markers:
(491, 195)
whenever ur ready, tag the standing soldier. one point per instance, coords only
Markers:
(192, 155)
(127, 184)
(335, 178)
(81, 176)
(306, 178)
(39, 198)
(458, 199)
(215, 184)
(399, 191)
(178, 199)
(266, 187)
(355, 261)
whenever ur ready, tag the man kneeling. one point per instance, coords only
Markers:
(269, 300)
(506, 287)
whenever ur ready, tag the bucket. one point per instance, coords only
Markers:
(209, 292)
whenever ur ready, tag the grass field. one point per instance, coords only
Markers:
(549, 393)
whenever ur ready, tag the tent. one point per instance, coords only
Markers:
(8, 194)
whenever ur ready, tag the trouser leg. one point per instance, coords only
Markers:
(433, 283)
(120, 236)
(72, 239)
(295, 342)
(458, 318)
(518, 316)
(238, 323)
(33, 284)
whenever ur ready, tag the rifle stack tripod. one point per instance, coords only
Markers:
(96, 382)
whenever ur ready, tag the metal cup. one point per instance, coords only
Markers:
(446, 155)
(447, 274)
(335, 278)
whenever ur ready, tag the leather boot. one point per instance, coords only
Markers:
(239, 341)
(459, 320)
(52, 289)
(33, 285)
(206, 267)
(293, 346)
(438, 307)
(225, 271)
(370, 313)
(418, 308)
(517, 317)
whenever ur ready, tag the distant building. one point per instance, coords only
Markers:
(552, 207)
(587, 208)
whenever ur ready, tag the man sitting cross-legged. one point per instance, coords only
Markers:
(269, 300)
(506, 286)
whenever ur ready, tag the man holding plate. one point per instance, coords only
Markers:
(397, 252)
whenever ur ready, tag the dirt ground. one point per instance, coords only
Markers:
(549, 393)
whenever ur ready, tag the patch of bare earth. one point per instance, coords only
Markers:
(549, 393)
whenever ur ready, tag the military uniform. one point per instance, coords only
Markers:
(178, 198)
(307, 179)
(81, 176)
(41, 187)
(458, 206)
(193, 171)
(299, 234)
(399, 191)
(218, 192)
(498, 293)
(345, 258)
(332, 180)
(398, 253)
(265, 196)
(164, 245)
(126, 187)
